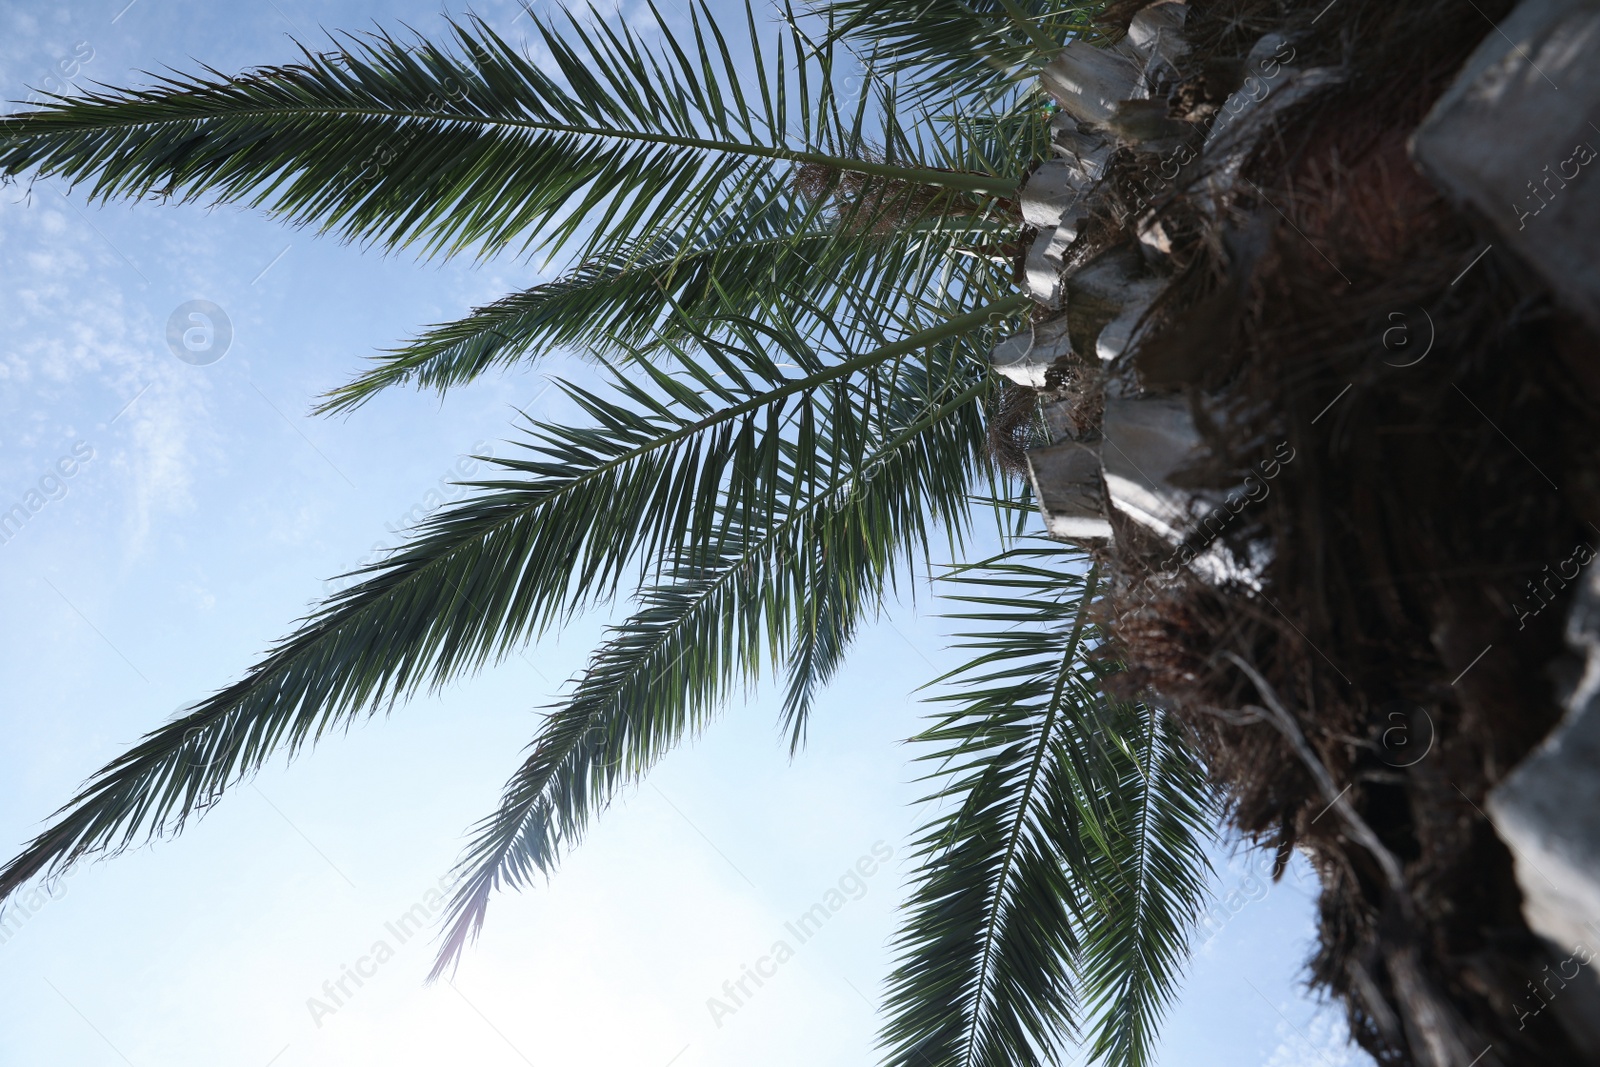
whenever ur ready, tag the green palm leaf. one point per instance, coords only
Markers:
(713, 622)
(484, 576)
(682, 197)
(1064, 875)
(616, 303)
(990, 930)
(817, 253)
(1154, 868)
(973, 48)
(737, 232)
(472, 148)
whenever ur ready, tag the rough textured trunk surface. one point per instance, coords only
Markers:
(1318, 345)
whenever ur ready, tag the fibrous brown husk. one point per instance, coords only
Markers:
(871, 203)
(1012, 427)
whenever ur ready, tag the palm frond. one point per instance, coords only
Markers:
(474, 147)
(991, 928)
(712, 622)
(832, 608)
(977, 49)
(485, 575)
(738, 230)
(628, 299)
(1057, 891)
(1154, 865)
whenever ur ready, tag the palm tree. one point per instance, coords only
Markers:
(727, 220)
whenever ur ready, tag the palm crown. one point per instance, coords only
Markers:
(795, 296)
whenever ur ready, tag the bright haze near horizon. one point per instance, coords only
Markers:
(203, 512)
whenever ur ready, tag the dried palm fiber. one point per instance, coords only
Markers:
(869, 202)
(1012, 427)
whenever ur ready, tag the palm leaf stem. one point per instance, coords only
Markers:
(990, 932)
(1045, 42)
(15, 127)
(953, 327)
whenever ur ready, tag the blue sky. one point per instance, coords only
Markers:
(204, 511)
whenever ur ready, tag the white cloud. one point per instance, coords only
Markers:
(78, 351)
(1322, 1042)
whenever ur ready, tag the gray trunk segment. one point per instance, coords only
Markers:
(1547, 811)
(1067, 483)
(1548, 808)
(1515, 138)
(1129, 464)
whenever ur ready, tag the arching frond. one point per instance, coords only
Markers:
(799, 417)
(991, 926)
(483, 576)
(1154, 867)
(1057, 890)
(476, 146)
(619, 302)
(711, 623)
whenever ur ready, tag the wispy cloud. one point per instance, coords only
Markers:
(1322, 1042)
(77, 351)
